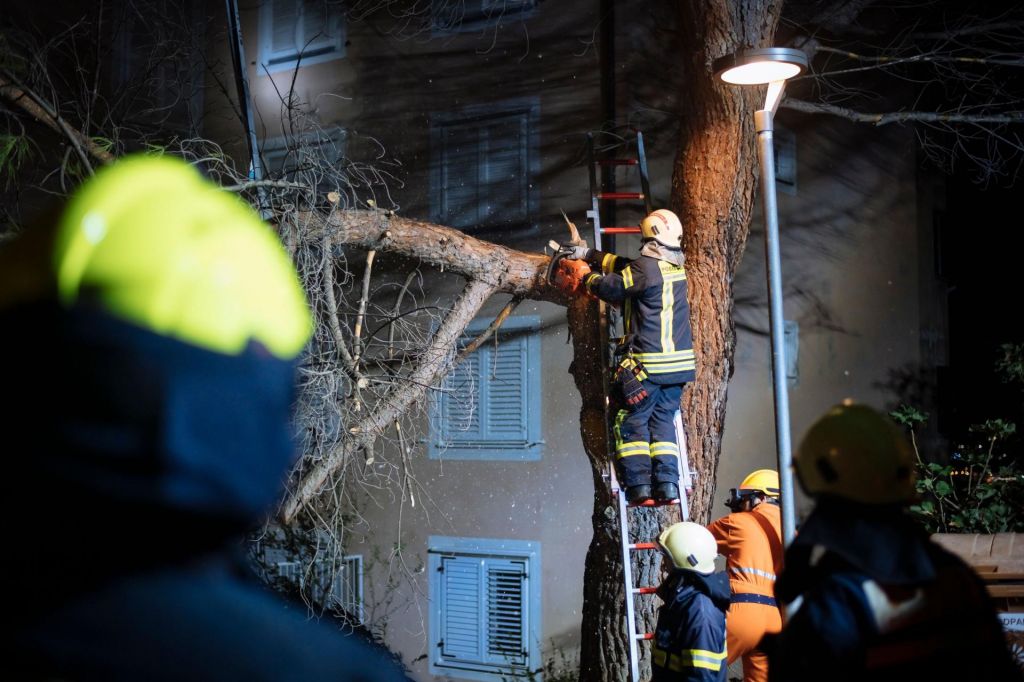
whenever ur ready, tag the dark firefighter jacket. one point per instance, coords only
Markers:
(689, 642)
(656, 312)
(137, 463)
(881, 602)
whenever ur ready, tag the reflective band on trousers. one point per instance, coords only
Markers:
(688, 658)
(754, 571)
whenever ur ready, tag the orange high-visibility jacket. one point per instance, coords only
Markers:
(751, 543)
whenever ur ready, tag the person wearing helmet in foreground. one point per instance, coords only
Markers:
(149, 355)
(689, 640)
(750, 539)
(657, 357)
(869, 596)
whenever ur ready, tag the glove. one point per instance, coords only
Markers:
(629, 376)
(574, 251)
(569, 276)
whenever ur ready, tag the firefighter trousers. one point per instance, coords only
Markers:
(645, 437)
(746, 625)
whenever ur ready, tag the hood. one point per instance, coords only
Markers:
(715, 586)
(882, 542)
(123, 428)
(656, 249)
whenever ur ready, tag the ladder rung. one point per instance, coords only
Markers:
(643, 545)
(620, 195)
(645, 590)
(645, 635)
(617, 162)
(621, 230)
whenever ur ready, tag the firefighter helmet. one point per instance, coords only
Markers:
(154, 243)
(855, 452)
(689, 546)
(663, 226)
(763, 481)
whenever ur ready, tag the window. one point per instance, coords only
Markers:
(489, 407)
(341, 588)
(310, 156)
(485, 607)
(299, 33)
(154, 70)
(784, 143)
(483, 161)
(450, 16)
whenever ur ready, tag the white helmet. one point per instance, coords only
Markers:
(690, 546)
(663, 226)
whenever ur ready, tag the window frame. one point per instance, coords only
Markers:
(526, 552)
(531, 448)
(349, 562)
(282, 60)
(489, 14)
(527, 109)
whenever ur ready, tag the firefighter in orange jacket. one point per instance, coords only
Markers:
(750, 539)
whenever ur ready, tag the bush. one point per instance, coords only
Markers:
(980, 488)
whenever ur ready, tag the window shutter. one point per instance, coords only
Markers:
(285, 16)
(461, 609)
(460, 175)
(460, 403)
(506, 615)
(505, 406)
(504, 171)
(483, 614)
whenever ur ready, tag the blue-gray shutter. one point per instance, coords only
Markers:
(285, 19)
(460, 174)
(483, 614)
(505, 408)
(504, 187)
(460, 403)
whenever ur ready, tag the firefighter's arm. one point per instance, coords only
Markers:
(828, 625)
(606, 263)
(615, 287)
(722, 530)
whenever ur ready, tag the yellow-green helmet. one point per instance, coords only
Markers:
(856, 453)
(764, 481)
(689, 546)
(154, 243)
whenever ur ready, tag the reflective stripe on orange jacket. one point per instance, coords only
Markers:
(751, 543)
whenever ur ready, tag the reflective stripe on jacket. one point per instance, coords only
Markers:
(751, 543)
(655, 311)
(689, 641)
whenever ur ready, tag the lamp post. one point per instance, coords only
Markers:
(771, 66)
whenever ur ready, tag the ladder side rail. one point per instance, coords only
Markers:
(685, 474)
(594, 213)
(645, 183)
(627, 574)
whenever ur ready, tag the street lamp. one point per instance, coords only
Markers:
(771, 66)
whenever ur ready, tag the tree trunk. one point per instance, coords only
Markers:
(712, 192)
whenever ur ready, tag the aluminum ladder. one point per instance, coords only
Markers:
(598, 195)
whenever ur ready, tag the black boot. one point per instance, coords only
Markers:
(666, 492)
(635, 494)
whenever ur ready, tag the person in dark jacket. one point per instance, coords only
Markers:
(689, 640)
(149, 352)
(657, 352)
(869, 595)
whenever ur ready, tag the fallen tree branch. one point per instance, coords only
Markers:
(39, 109)
(437, 361)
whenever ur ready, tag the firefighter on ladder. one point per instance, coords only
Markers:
(750, 539)
(656, 354)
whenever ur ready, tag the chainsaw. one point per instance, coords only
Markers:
(563, 250)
